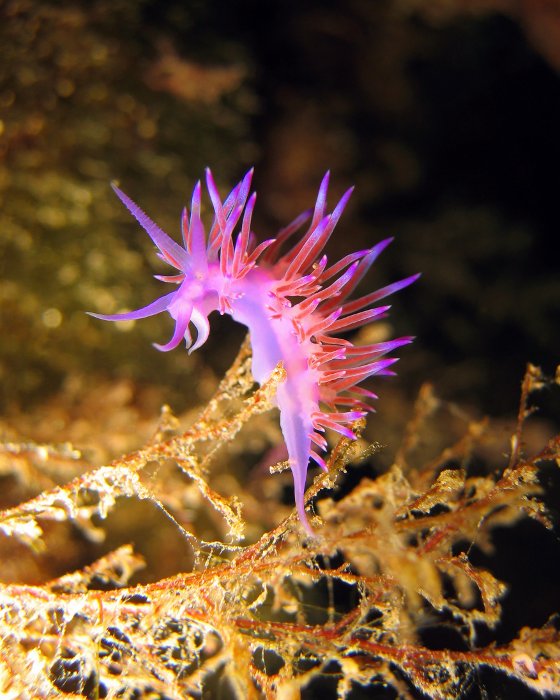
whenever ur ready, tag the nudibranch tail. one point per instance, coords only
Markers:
(293, 304)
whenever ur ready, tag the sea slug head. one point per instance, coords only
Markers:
(205, 266)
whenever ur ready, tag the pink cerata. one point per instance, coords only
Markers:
(293, 303)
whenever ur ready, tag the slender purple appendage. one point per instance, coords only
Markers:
(292, 303)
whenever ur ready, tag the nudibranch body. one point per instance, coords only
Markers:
(293, 303)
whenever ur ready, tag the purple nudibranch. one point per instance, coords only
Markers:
(293, 303)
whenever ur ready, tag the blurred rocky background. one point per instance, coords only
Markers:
(444, 114)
